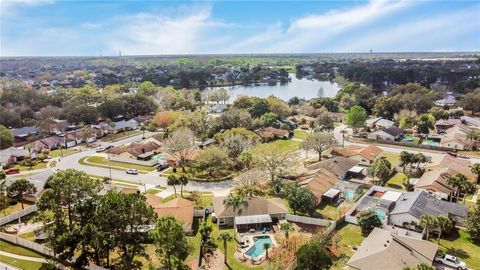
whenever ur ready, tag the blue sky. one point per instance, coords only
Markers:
(65, 27)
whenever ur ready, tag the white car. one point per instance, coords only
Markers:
(132, 171)
(451, 261)
(100, 149)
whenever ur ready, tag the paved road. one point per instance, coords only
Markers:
(153, 178)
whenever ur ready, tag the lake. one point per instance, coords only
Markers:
(303, 88)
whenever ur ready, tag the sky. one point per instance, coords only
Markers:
(103, 27)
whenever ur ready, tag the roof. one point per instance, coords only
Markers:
(319, 182)
(331, 193)
(391, 196)
(38, 179)
(368, 152)
(384, 123)
(372, 121)
(256, 206)
(125, 124)
(300, 117)
(136, 149)
(270, 132)
(383, 249)
(338, 166)
(24, 131)
(457, 164)
(179, 208)
(356, 169)
(347, 185)
(6, 154)
(419, 203)
(254, 219)
(394, 131)
(448, 122)
(471, 120)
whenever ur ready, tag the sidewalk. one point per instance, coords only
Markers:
(23, 258)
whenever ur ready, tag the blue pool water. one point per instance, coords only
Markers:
(380, 214)
(161, 157)
(408, 139)
(257, 248)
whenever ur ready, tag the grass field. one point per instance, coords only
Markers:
(396, 181)
(329, 211)
(39, 165)
(103, 162)
(300, 134)
(286, 144)
(21, 264)
(58, 152)
(394, 158)
(350, 235)
(459, 245)
(13, 208)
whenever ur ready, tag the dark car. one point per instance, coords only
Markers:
(162, 167)
(108, 146)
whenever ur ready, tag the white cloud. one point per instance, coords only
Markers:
(8, 7)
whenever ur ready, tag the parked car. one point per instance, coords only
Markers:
(108, 146)
(162, 167)
(451, 261)
(12, 171)
(453, 154)
(100, 149)
(132, 171)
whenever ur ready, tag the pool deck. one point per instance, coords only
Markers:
(251, 243)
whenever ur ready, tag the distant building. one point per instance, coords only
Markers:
(365, 155)
(447, 101)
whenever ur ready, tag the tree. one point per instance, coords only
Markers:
(165, 119)
(207, 244)
(236, 202)
(266, 246)
(213, 160)
(444, 224)
(123, 226)
(169, 240)
(313, 256)
(20, 188)
(4, 203)
(6, 137)
(87, 133)
(356, 117)
(278, 106)
(458, 183)
(247, 190)
(180, 144)
(324, 122)
(183, 181)
(225, 237)
(286, 227)
(471, 101)
(472, 223)
(173, 180)
(428, 222)
(475, 168)
(318, 142)
(424, 123)
(299, 198)
(146, 88)
(406, 158)
(368, 220)
(236, 143)
(275, 160)
(380, 170)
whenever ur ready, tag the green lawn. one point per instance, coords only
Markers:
(6, 246)
(286, 144)
(329, 211)
(40, 165)
(460, 246)
(394, 158)
(58, 152)
(103, 162)
(396, 181)
(300, 134)
(13, 208)
(350, 235)
(24, 265)
(118, 136)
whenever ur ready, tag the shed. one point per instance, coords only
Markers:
(331, 195)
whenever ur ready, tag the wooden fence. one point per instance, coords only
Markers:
(16, 215)
(309, 220)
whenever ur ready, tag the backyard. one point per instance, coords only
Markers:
(396, 182)
(349, 235)
(14, 208)
(10, 248)
(394, 158)
(459, 245)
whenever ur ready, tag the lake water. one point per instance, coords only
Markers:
(303, 88)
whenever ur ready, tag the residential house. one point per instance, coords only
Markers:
(434, 179)
(12, 155)
(38, 180)
(123, 125)
(136, 153)
(319, 182)
(442, 125)
(365, 155)
(339, 166)
(302, 119)
(378, 122)
(348, 190)
(410, 208)
(179, 208)
(271, 133)
(471, 121)
(457, 137)
(257, 213)
(447, 101)
(337, 116)
(45, 144)
(24, 133)
(384, 249)
(388, 134)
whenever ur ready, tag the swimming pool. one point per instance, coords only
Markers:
(257, 250)
(161, 158)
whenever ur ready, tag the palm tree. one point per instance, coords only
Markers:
(466, 187)
(172, 180)
(444, 224)
(286, 227)
(236, 202)
(343, 132)
(475, 168)
(405, 158)
(420, 158)
(143, 128)
(427, 222)
(266, 246)
(225, 237)
(247, 191)
(182, 180)
(455, 181)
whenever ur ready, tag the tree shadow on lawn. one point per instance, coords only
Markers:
(452, 250)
